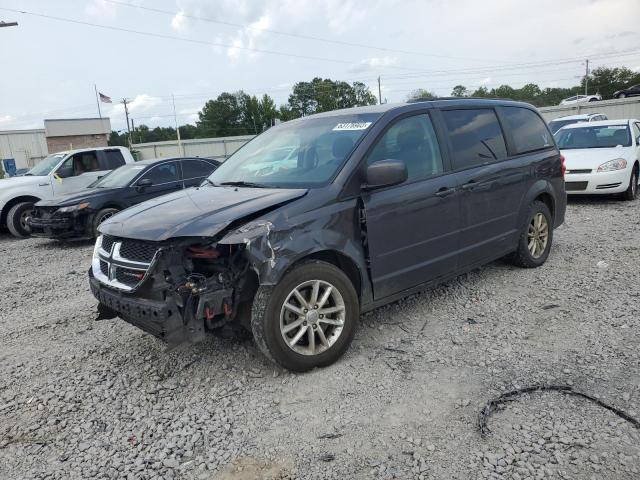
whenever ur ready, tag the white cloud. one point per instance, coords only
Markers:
(141, 103)
(247, 38)
(374, 63)
(100, 8)
(6, 119)
(485, 81)
(179, 21)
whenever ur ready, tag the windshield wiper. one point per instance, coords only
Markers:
(244, 184)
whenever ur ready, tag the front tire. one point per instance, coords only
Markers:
(17, 219)
(536, 237)
(100, 217)
(308, 319)
(622, 95)
(632, 191)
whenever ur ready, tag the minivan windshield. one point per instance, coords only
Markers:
(120, 177)
(303, 153)
(603, 136)
(45, 165)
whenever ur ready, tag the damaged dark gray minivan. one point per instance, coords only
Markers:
(325, 217)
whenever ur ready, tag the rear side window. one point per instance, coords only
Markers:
(114, 159)
(196, 169)
(527, 129)
(476, 137)
(165, 173)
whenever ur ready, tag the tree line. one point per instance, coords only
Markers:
(604, 81)
(239, 113)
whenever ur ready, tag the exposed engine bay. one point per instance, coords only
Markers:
(189, 287)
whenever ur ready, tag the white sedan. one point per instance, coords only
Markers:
(581, 99)
(601, 157)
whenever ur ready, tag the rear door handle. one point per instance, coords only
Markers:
(444, 191)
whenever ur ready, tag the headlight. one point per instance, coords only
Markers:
(611, 165)
(74, 208)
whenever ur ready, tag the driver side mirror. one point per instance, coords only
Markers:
(65, 172)
(144, 183)
(385, 173)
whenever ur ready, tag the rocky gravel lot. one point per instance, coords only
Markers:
(81, 398)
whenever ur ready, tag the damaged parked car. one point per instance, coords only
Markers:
(381, 202)
(77, 215)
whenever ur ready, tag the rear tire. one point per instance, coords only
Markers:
(632, 191)
(622, 95)
(100, 217)
(311, 334)
(16, 219)
(536, 237)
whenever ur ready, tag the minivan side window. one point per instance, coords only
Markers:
(527, 129)
(114, 159)
(476, 137)
(413, 141)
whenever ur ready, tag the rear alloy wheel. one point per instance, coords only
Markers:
(100, 217)
(17, 219)
(308, 320)
(622, 95)
(536, 236)
(632, 191)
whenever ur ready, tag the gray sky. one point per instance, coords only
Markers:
(50, 66)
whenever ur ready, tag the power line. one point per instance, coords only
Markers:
(296, 35)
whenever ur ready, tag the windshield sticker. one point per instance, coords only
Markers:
(352, 126)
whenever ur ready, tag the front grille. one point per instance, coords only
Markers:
(583, 170)
(104, 268)
(107, 242)
(575, 186)
(44, 212)
(137, 251)
(128, 277)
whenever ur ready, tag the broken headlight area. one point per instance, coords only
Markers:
(188, 288)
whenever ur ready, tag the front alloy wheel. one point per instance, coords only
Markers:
(312, 317)
(308, 319)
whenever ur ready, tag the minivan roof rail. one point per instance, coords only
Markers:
(461, 98)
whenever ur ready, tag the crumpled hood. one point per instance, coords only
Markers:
(86, 195)
(582, 158)
(194, 212)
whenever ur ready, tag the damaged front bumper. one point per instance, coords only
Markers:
(175, 292)
(48, 223)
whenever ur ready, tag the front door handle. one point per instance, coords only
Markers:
(444, 191)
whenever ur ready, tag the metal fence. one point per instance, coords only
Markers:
(613, 109)
(218, 148)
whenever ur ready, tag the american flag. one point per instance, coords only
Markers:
(104, 98)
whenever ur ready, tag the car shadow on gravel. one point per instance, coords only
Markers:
(595, 200)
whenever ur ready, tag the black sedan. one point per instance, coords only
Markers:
(77, 215)
(628, 92)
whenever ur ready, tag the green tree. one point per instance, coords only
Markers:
(608, 80)
(459, 91)
(420, 94)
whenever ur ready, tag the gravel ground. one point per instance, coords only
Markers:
(87, 399)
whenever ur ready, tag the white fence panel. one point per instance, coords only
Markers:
(218, 148)
(613, 109)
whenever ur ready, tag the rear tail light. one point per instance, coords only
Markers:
(563, 167)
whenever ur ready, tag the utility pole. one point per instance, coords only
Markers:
(175, 119)
(379, 91)
(8, 24)
(133, 128)
(126, 113)
(586, 78)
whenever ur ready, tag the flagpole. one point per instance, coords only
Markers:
(97, 100)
